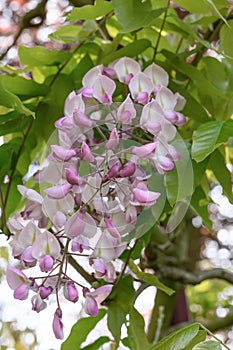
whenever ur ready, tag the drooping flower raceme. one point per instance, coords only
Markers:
(95, 184)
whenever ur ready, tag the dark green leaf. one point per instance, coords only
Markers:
(217, 164)
(177, 340)
(199, 203)
(179, 181)
(149, 278)
(97, 344)
(80, 331)
(131, 50)
(10, 100)
(208, 345)
(135, 14)
(136, 331)
(210, 136)
(39, 56)
(15, 125)
(119, 305)
(100, 9)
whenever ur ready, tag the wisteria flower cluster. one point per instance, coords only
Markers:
(95, 184)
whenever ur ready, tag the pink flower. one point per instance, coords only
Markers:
(103, 89)
(21, 292)
(37, 303)
(58, 325)
(157, 74)
(95, 298)
(44, 292)
(81, 223)
(62, 154)
(128, 169)
(140, 83)
(111, 227)
(126, 111)
(73, 101)
(46, 244)
(126, 68)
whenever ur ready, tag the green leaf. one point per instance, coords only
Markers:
(217, 164)
(179, 181)
(208, 345)
(135, 14)
(131, 50)
(100, 9)
(177, 340)
(119, 305)
(24, 88)
(39, 56)
(73, 33)
(200, 203)
(15, 125)
(193, 74)
(80, 331)
(8, 99)
(136, 331)
(149, 278)
(210, 136)
(192, 109)
(226, 39)
(97, 344)
(201, 336)
(202, 6)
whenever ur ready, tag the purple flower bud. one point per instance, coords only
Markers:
(64, 124)
(143, 98)
(61, 153)
(91, 306)
(106, 99)
(45, 291)
(81, 119)
(21, 292)
(27, 258)
(72, 176)
(46, 263)
(128, 169)
(58, 192)
(144, 151)
(113, 140)
(171, 116)
(86, 153)
(111, 227)
(58, 325)
(181, 119)
(164, 164)
(113, 170)
(70, 292)
(87, 92)
(128, 78)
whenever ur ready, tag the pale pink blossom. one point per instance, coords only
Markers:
(58, 325)
(126, 111)
(157, 75)
(126, 68)
(70, 291)
(73, 101)
(103, 89)
(46, 244)
(140, 83)
(113, 140)
(37, 303)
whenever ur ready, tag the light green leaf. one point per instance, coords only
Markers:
(136, 331)
(131, 50)
(149, 278)
(97, 344)
(39, 56)
(73, 33)
(202, 6)
(208, 345)
(80, 331)
(177, 340)
(135, 14)
(25, 88)
(8, 99)
(226, 39)
(119, 305)
(210, 136)
(201, 336)
(100, 9)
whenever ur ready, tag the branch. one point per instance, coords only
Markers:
(185, 277)
(26, 22)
